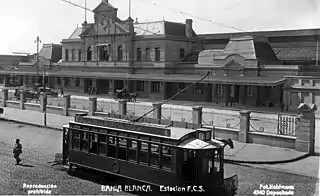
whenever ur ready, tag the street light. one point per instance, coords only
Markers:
(37, 41)
(44, 96)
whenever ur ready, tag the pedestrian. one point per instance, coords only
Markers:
(61, 92)
(17, 150)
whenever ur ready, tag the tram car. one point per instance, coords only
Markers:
(158, 155)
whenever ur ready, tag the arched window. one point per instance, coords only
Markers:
(120, 53)
(89, 54)
(79, 56)
(72, 55)
(66, 55)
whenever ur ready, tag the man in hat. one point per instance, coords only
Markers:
(17, 150)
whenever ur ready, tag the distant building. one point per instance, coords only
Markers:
(157, 59)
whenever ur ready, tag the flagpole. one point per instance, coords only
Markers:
(129, 8)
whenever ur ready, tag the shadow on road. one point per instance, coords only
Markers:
(26, 165)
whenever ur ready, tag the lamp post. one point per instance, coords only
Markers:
(44, 96)
(37, 41)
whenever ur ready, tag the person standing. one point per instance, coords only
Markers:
(61, 92)
(17, 150)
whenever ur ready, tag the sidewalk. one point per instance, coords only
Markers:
(242, 151)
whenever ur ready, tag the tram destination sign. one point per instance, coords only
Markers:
(125, 125)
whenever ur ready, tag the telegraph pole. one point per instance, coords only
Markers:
(44, 96)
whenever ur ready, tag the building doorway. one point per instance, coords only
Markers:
(87, 84)
(234, 93)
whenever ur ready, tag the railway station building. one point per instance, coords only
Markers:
(157, 59)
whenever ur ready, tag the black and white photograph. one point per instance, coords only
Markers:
(160, 97)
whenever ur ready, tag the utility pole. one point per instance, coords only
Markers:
(37, 41)
(44, 96)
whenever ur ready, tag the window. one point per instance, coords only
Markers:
(120, 53)
(66, 81)
(79, 56)
(93, 143)
(181, 54)
(157, 54)
(216, 159)
(220, 90)
(139, 54)
(111, 147)
(166, 157)
(89, 54)
(198, 89)
(249, 91)
(103, 53)
(58, 80)
(84, 141)
(77, 83)
(155, 87)
(148, 55)
(75, 140)
(66, 55)
(103, 144)
(140, 86)
(304, 82)
(154, 156)
(72, 55)
(143, 155)
(132, 151)
(122, 150)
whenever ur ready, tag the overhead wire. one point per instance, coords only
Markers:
(110, 19)
(197, 17)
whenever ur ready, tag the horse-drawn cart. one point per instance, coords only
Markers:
(125, 95)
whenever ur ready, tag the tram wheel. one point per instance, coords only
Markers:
(115, 167)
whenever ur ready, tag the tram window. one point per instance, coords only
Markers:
(103, 144)
(216, 160)
(94, 143)
(84, 141)
(154, 157)
(76, 126)
(132, 152)
(166, 157)
(112, 147)
(75, 140)
(122, 151)
(85, 128)
(143, 155)
(94, 129)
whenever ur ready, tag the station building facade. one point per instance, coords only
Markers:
(157, 59)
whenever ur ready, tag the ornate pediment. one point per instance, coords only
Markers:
(234, 65)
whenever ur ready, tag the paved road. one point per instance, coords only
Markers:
(40, 145)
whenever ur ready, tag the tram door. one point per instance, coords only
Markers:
(189, 169)
(66, 141)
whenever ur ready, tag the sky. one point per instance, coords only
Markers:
(53, 20)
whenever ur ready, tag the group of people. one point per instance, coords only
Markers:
(92, 90)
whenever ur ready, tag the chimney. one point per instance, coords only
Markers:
(188, 28)
(105, 1)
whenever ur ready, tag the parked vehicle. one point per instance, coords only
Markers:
(48, 91)
(159, 155)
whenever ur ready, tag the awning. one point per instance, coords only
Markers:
(237, 80)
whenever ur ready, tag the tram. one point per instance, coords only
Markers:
(155, 154)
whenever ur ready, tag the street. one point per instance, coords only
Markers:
(40, 146)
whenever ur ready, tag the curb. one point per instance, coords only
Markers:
(31, 124)
(267, 162)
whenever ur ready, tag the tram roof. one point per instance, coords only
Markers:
(194, 143)
(176, 133)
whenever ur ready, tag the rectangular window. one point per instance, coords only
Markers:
(154, 156)
(304, 82)
(143, 154)
(93, 143)
(148, 55)
(102, 144)
(122, 150)
(58, 81)
(220, 90)
(139, 54)
(132, 152)
(157, 54)
(140, 86)
(216, 159)
(166, 161)
(75, 140)
(66, 81)
(66, 55)
(77, 82)
(155, 87)
(79, 56)
(181, 54)
(249, 91)
(111, 147)
(84, 141)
